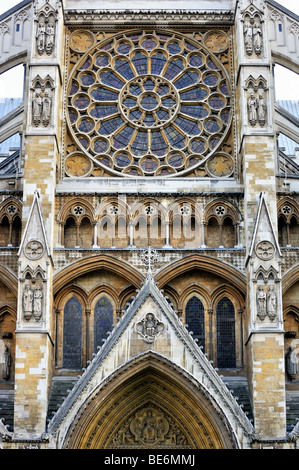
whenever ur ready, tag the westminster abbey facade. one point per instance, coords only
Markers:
(149, 227)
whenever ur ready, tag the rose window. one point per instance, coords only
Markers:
(146, 104)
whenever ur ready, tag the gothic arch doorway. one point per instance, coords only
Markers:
(149, 405)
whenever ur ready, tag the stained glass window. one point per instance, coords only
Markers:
(72, 334)
(149, 95)
(226, 347)
(103, 321)
(195, 319)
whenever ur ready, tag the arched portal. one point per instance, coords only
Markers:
(151, 405)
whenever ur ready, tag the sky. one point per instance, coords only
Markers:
(11, 80)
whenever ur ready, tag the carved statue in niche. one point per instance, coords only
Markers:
(261, 303)
(248, 37)
(6, 363)
(41, 108)
(28, 302)
(37, 104)
(292, 362)
(261, 110)
(37, 303)
(149, 327)
(252, 109)
(45, 37)
(46, 110)
(271, 303)
(257, 38)
(41, 37)
(49, 37)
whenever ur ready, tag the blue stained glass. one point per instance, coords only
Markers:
(140, 63)
(140, 144)
(224, 89)
(110, 126)
(157, 63)
(123, 67)
(102, 61)
(187, 79)
(129, 102)
(135, 115)
(175, 138)
(216, 102)
(86, 64)
(195, 111)
(196, 60)
(100, 146)
(149, 102)
(122, 160)
(74, 88)
(73, 116)
(174, 67)
(72, 332)
(135, 90)
(225, 115)
(176, 160)
(86, 125)
(168, 102)
(191, 47)
(158, 145)
(174, 48)
(81, 102)
(105, 161)
(100, 111)
(148, 44)
(212, 126)
(187, 125)
(163, 90)
(214, 141)
(149, 85)
(103, 321)
(102, 94)
(198, 146)
(87, 79)
(226, 345)
(162, 115)
(84, 142)
(197, 93)
(109, 78)
(212, 65)
(108, 46)
(123, 137)
(149, 120)
(149, 165)
(210, 79)
(195, 319)
(124, 48)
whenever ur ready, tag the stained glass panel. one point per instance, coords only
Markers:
(103, 321)
(195, 319)
(72, 333)
(226, 347)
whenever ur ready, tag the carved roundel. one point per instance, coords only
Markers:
(34, 249)
(149, 104)
(265, 250)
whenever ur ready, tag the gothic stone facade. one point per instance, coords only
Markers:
(149, 228)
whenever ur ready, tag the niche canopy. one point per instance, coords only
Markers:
(149, 104)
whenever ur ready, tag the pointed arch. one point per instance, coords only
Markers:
(192, 417)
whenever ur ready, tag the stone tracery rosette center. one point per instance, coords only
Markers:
(149, 104)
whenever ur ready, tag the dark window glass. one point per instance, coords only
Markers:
(72, 332)
(226, 347)
(195, 319)
(103, 321)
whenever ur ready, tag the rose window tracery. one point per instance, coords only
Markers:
(146, 104)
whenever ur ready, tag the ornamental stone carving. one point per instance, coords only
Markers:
(266, 303)
(261, 299)
(265, 250)
(149, 327)
(34, 249)
(32, 302)
(42, 97)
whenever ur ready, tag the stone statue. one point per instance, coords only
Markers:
(28, 302)
(46, 109)
(37, 310)
(261, 303)
(49, 38)
(257, 38)
(271, 303)
(248, 37)
(292, 362)
(149, 327)
(252, 109)
(37, 104)
(261, 110)
(40, 37)
(6, 363)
